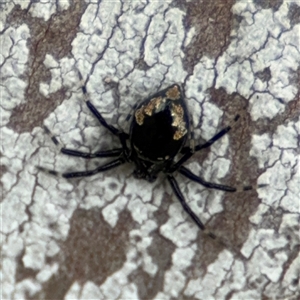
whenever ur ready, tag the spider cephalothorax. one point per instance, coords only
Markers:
(159, 133)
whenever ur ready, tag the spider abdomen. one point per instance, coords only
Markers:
(160, 125)
(159, 129)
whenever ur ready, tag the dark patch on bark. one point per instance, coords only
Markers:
(213, 22)
(266, 4)
(92, 252)
(264, 75)
(161, 251)
(52, 37)
(294, 14)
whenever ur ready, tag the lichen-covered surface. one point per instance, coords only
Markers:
(111, 236)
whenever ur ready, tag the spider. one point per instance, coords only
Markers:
(159, 132)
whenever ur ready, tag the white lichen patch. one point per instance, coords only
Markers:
(280, 154)
(282, 159)
(62, 75)
(13, 57)
(179, 232)
(264, 40)
(46, 9)
(208, 286)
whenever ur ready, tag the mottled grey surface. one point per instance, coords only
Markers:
(111, 236)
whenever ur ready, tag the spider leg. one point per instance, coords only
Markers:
(108, 153)
(71, 152)
(113, 164)
(192, 140)
(185, 206)
(187, 173)
(122, 135)
(218, 135)
(187, 153)
(96, 113)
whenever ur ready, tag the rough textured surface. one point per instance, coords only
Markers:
(111, 236)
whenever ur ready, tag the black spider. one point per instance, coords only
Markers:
(159, 131)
